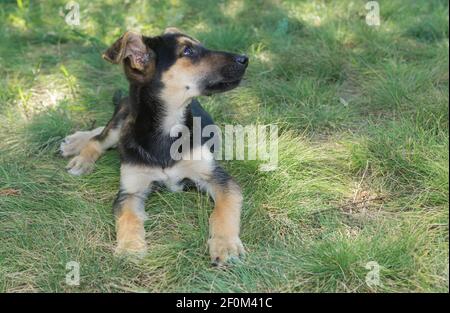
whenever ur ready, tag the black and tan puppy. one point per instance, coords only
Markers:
(165, 74)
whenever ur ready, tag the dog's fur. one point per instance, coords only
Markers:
(165, 73)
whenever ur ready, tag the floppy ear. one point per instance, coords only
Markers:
(172, 30)
(131, 50)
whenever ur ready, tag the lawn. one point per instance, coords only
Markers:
(363, 172)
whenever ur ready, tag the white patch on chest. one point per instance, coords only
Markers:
(173, 116)
(199, 171)
(180, 86)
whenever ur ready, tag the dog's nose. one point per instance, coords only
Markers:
(241, 59)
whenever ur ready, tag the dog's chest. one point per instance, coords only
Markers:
(171, 177)
(197, 167)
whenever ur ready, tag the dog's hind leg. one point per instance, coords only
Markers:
(73, 144)
(88, 146)
(84, 162)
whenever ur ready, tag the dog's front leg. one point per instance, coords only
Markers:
(224, 222)
(129, 209)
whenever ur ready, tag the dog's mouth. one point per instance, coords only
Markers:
(221, 86)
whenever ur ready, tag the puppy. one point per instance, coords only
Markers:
(165, 74)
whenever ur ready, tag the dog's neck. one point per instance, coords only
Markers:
(157, 109)
(175, 105)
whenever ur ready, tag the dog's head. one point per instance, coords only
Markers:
(181, 63)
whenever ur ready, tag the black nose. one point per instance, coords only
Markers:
(241, 59)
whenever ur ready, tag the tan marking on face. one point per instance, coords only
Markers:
(181, 84)
(181, 80)
(185, 73)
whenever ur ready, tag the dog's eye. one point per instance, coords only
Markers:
(188, 51)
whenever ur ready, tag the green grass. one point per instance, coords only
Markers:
(363, 152)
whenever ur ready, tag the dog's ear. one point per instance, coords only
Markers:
(131, 50)
(172, 30)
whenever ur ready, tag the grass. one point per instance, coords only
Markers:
(363, 152)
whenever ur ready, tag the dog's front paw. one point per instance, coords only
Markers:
(131, 246)
(80, 165)
(130, 234)
(136, 248)
(225, 249)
